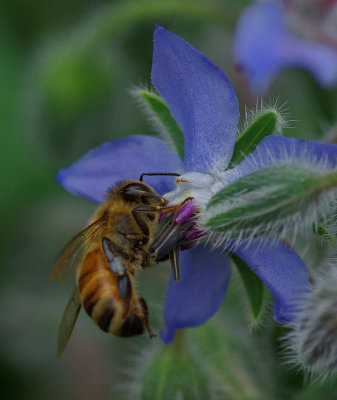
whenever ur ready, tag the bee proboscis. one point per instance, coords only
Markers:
(105, 257)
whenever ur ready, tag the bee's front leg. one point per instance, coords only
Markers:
(140, 221)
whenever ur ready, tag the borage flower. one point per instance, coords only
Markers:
(275, 35)
(204, 105)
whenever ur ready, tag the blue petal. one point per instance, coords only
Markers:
(282, 271)
(199, 293)
(97, 171)
(200, 98)
(273, 149)
(261, 59)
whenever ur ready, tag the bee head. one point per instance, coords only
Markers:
(138, 192)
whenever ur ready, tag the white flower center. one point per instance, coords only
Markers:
(200, 186)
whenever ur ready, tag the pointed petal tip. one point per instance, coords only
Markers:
(158, 29)
(60, 177)
(200, 97)
(161, 31)
(167, 336)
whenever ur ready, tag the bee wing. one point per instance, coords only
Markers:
(71, 256)
(68, 321)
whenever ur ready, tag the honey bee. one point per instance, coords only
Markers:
(105, 257)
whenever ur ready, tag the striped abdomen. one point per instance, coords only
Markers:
(107, 292)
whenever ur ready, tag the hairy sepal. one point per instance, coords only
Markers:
(266, 123)
(160, 115)
(274, 201)
(254, 288)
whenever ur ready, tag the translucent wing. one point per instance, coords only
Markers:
(68, 321)
(71, 256)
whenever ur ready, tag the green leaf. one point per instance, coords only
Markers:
(161, 114)
(254, 287)
(174, 374)
(263, 200)
(265, 124)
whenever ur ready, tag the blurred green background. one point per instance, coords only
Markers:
(65, 74)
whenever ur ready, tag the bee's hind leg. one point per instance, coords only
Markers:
(146, 317)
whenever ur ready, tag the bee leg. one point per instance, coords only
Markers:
(146, 260)
(150, 209)
(159, 209)
(176, 207)
(140, 222)
(146, 317)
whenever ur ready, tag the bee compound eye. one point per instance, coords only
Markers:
(135, 192)
(115, 263)
(124, 287)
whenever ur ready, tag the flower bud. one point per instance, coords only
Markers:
(314, 335)
(174, 373)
